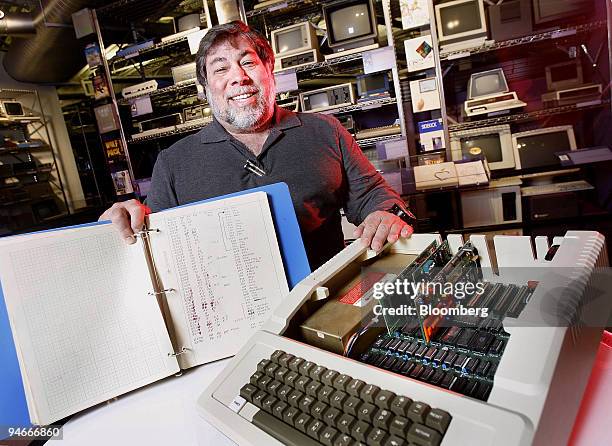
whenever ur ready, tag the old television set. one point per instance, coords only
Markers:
(494, 142)
(510, 19)
(461, 24)
(564, 75)
(372, 86)
(545, 11)
(537, 148)
(11, 108)
(351, 26)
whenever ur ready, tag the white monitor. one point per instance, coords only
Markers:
(494, 142)
(487, 83)
(11, 108)
(294, 39)
(460, 20)
(564, 75)
(537, 148)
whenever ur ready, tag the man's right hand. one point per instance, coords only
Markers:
(127, 217)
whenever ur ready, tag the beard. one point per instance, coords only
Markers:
(242, 117)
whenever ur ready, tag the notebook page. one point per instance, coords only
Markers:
(84, 327)
(223, 260)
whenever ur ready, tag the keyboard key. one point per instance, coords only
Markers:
(400, 404)
(345, 423)
(361, 430)
(270, 369)
(294, 398)
(383, 399)
(256, 377)
(301, 383)
(341, 382)
(290, 378)
(383, 418)
(354, 387)
(247, 391)
(276, 356)
(268, 403)
(281, 431)
(423, 435)
(337, 399)
(315, 429)
(258, 398)
(274, 386)
(290, 415)
(280, 374)
(325, 394)
(329, 377)
(344, 440)
(418, 411)
(394, 441)
(261, 366)
(284, 360)
(283, 392)
(438, 419)
(331, 416)
(318, 410)
(306, 367)
(399, 426)
(366, 412)
(302, 421)
(376, 437)
(328, 436)
(351, 405)
(306, 403)
(369, 392)
(318, 372)
(263, 382)
(295, 364)
(279, 409)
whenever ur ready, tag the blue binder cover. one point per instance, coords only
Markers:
(13, 407)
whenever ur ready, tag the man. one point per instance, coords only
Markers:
(252, 142)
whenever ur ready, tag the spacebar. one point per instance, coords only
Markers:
(281, 430)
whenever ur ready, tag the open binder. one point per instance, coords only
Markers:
(84, 307)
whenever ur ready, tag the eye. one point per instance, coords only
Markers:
(220, 70)
(248, 63)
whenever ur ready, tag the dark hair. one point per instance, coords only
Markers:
(231, 31)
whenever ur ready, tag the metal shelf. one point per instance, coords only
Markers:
(528, 116)
(160, 91)
(375, 103)
(274, 7)
(548, 35)
(325, 64)
(169, 133)
(144, 52)
(372, 141)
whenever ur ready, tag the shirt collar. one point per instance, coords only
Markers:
(283, 120)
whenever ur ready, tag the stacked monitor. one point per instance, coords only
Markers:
(537, 148)
(461, 22)
(351, 24)
(295, 45)
(494, 142)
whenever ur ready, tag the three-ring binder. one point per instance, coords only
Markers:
(175, 354)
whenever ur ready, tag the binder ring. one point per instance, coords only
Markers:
(144, 232)
(159, 293)
(175, 354)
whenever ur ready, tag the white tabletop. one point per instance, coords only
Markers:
(163, 413)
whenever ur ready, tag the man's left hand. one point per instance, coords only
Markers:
(380, 227)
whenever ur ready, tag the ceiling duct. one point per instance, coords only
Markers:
(17, 25)
(53, 54)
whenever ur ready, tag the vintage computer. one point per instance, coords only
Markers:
(328, 98)
(488, 94)
(294, 46)
(461, 24)
(565, 84)
(322, 370)
(510, 19)
(537, 148)
(494, 142)
(10, 108)
(351, 27)
(545, 11)
(373, 86)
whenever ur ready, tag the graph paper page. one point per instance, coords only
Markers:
(84, 326)
(223, 260)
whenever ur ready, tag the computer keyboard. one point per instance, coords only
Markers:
(375, 132)
(335, 409)
(555, 188)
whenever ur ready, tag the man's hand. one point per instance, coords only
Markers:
(382, 226)
(127, 217)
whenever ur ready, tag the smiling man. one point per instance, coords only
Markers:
(252, 142)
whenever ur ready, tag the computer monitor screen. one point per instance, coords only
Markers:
(564, 75)
(349, 21)
(318, 100)
(372, 84)
(13, 108)
(564, 72)
(460, 18)
(487, 83)
(537, 149)
(490, 145)
(550, 10)
(289, 40)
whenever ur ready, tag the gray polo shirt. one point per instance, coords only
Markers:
(317, 158)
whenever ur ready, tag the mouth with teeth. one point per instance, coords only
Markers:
(243, 96)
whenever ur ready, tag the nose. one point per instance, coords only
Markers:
(239, 75)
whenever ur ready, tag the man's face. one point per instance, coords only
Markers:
(240, 87)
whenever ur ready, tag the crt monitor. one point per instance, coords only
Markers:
(350, 23)
(461, 20)
(494, 142)
(294, 39)
(537, 148)
(564, 75)
(11, 108)
(545, 11)
(487, 83)
(376, 84)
